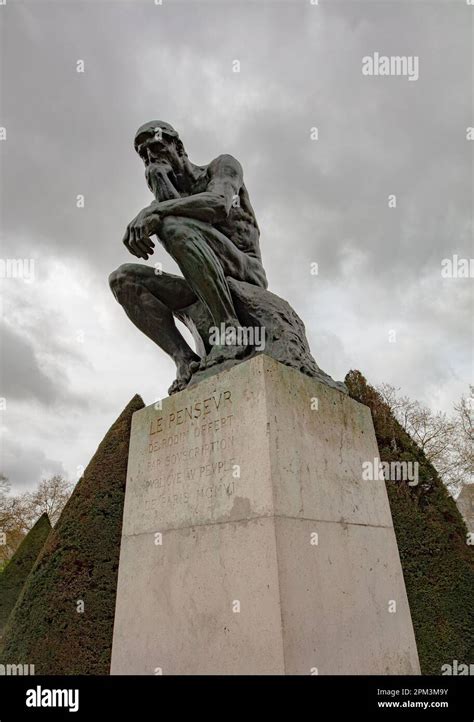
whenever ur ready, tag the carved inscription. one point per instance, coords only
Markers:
(190, 458)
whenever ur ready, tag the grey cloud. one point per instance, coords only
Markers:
(34, 466)
(22, 377)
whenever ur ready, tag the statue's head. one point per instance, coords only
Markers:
(157, 141)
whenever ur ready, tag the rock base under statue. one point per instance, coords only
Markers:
(258, 308)
(251, 544)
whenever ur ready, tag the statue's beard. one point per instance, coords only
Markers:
(162, 181)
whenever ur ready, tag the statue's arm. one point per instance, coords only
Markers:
(213, 204)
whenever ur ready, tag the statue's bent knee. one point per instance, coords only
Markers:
(121, 280)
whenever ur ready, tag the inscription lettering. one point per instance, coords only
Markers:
(190, 456)
(189, 413)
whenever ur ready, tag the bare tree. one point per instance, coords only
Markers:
(13, 522)
(463, 445)
(49, 496)
(447, 441)
(18, 513)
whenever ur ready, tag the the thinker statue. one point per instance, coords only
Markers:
(203, 217)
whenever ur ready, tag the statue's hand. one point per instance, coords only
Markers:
(137, 236)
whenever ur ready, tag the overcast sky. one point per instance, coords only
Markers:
(71, 359)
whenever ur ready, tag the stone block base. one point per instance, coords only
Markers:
(251, 544)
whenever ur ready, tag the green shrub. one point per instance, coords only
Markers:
(79, 563)
(438, 564)
(15, 572)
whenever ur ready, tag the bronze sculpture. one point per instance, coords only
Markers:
(203, 217)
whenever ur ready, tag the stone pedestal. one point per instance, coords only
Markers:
(251, 543)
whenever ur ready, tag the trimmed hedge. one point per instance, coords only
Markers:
(79, 561)
(437, 562)
(15, 573)
(63, 621)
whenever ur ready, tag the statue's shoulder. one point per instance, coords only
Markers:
(225, 163)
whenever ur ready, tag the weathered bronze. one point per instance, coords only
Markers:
(203, 217)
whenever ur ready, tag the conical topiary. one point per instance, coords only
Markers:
(14, 575)
(437, 561)
(63, 621)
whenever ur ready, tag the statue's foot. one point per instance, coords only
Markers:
(194, 366)
(184, 371)
(177, 385)
(219, 354)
